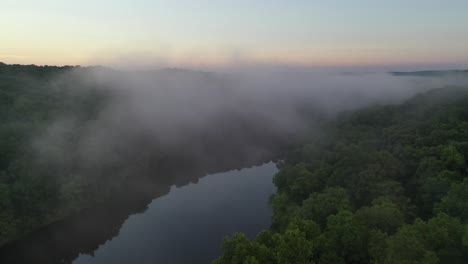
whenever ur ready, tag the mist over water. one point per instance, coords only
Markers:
(150, 114)
(148, 131)
(135, 134)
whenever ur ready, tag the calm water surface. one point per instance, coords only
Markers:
(188, 224)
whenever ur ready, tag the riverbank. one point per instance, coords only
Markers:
(85, 233)
(384, 178)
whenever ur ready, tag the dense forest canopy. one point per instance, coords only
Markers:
(387, 184)
(73, 137)
(55, 206)
(30, 98)
(370, 183)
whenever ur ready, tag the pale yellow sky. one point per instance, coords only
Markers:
(210, 33)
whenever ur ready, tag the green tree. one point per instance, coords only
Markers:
(344, 240)
(384, 216)
(455, 203)
(321, 205)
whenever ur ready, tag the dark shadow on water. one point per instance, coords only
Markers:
(83, 233)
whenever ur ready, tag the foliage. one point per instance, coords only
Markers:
(388, 184)
(33, 194)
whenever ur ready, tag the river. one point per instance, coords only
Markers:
(185, 224)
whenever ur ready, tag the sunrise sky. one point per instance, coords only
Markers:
(210, 33)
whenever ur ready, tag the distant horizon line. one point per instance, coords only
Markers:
(260, 67)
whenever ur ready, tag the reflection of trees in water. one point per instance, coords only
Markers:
(83, 233)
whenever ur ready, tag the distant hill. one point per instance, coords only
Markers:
(431, 73)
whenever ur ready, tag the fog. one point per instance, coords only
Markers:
(150, 116)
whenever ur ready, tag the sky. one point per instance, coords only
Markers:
(222, 33)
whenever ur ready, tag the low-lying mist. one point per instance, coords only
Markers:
(145, 119)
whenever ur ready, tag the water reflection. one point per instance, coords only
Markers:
(184, 227)
(187, 225)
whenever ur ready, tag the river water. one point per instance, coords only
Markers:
(186, 225)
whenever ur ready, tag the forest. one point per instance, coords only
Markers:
(384, 184)
(62, 151)
(32, 194)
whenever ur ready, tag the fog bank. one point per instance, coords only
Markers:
(150, 116)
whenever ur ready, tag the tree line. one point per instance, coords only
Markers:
(385, 184)
(32, 193)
